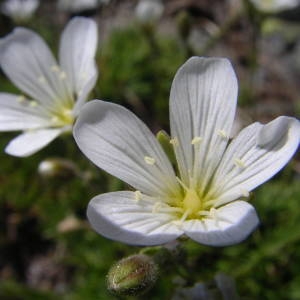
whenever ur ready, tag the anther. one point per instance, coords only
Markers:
(137, 195)
(55, 68)
(239, 163)
(182, 219)
(196, 140)
(62, 75)
(42, 79)
(33, 103)
(149, 160)
(21, 98)
(174, 142)
(222, 133)
(245, 193)
(54, 119)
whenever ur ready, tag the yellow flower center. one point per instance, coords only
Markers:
(62, 117)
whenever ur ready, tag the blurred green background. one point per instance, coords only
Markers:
(48, 250)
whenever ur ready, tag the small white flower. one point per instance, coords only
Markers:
(19, 10)
(56, 91)
(203, 196)
(149, 10)
(275, 5)
(77, 5)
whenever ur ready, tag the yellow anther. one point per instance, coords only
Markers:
(203, 213)
(33, 103)
(137, 195)
(149, 160)
(245, 193)
(55, 68)
(54, 119)
(62, 75)
(222, 133)
(196, 140)
(42, 79)
(21, 98)
(174, 142)
(239, 163)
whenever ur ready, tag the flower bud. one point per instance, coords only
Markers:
(132, 276)
(149, 10)
(57, 167)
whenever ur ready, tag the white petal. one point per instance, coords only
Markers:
(254, 156)
(31, 141)
(233, 223)
(16, 113)
(202, 106)
(82, 96)
(120, 217)
(117, 141)
(28, 62)
(77, 52)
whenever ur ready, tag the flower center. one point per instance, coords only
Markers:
(192, 203)
(63, 117)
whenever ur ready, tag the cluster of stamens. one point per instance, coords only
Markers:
(60, 112)
(192, 203)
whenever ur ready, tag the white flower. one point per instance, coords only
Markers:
(204, 197)
(77, 5)
(275, 5)
(149, 10)
(19, 10)
(56, 91)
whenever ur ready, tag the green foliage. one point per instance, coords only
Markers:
(136, 69)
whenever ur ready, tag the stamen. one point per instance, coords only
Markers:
(215, 203)
(182, 219)
(156, 207)
(149, 160)
(42, 79)
(222, 133)
(196, 140)
(239, 163)
(203, 213)
(137, 195)
(33, 103)
(54, 119)
(182, 184)
(245, 193)
(62, 75)
(174, 142)
(55, 68)
(21, 98)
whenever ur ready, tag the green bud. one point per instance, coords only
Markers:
(132, 276)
